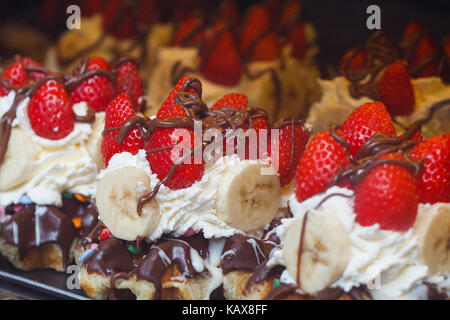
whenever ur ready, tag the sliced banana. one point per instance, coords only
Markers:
(94, 143)
(19, 160)
(118, 193)
(325, 251)
(433, 229)
(248, 195)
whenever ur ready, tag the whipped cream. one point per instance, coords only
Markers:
(183, 209)
(392, 255)
(54, 166)
(337, 104)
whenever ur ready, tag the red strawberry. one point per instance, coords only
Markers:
(162, 161)
(16, 74)
(90, 7)
(223, 63)
(118, 19)
(396, 90)
(104, 235)
(190, 33)
(433, 182)
(417, 136)
(290, 14)
(128, 80)
(297, 40)
(423, 50)
(35, 75)
(170, 100)
(387, 195)
(118, 112)
(268, 47)
(291, 145)
(235, 100)
(228, 10)
(50, 111)
(323, 158)
(353, 59)
(97, 90)
(365, 122)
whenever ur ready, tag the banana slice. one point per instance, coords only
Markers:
(18, 163)
(118, 193)
(94, 143)
(433, 229)
(325, 251)
(249, 195)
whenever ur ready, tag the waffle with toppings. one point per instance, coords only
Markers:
(408, 76)
(268, 54)
(50, 135)
(149, 198)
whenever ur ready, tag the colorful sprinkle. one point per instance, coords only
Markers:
(18, 207)
(77, 222)
(189, 233)
(94, 246)
(104, 235)
(67, 195)
(80, 197)
(276, 283)
(132, 248)
(25, 200)
(86, 255)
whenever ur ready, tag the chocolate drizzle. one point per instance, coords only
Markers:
(32, 227)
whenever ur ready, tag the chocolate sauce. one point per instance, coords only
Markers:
(170, 252)
(33, 226)
(262, 273)
(244, 253)
(280, 292)
(110, 258)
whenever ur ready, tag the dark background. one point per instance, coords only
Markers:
(341, 24)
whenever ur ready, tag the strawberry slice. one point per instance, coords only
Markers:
(267, 47)
(50, 111)
(128, 80)
(221, 58)
(118, 112)
(35, 75)
(387, 195)
(297, 39)
(167, 146)
(235, 100)
(97, 90)
(433, 182)
(190, 33)
(291, 145)
(170, 100)
(396, 90)
(353, 59)
(364, 122)
(323, 158)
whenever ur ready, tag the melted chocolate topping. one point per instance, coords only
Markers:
(33, 227)
(280, 292)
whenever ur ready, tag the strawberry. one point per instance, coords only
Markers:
(228, 10)
(433, 182)
(162, 160)
(364, 122)
(104, 235)
(35, 75)
(396, 90)
(222, 63)
(235, 100)
(50, 111)
(118, 112)
(425, 47)
(128, 80)
(290, 14)
(417, 136)
(190, 33)
(16, 74)
(353, 59)
(266, 48)
(91, 7)
(291, 145)
(118, 19)
(387, 195)
(97, 90)
(297, 40)
(323, 158)
(170, 100)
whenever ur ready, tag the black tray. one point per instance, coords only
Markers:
(38, 284)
